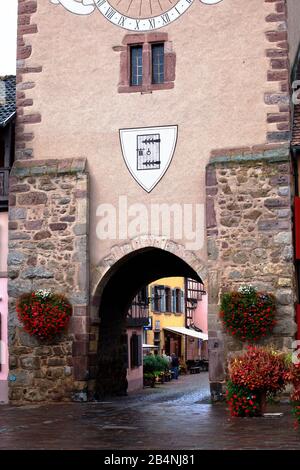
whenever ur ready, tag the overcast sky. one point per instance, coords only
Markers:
(8, 33)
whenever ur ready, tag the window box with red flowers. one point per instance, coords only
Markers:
(247, 314)
(44, 314)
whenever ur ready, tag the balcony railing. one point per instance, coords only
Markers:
(138, 314)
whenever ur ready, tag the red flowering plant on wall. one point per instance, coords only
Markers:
(253, 374)
(247, 314)
(43, 313)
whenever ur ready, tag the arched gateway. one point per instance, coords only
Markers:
(146, 147)
(115, 292)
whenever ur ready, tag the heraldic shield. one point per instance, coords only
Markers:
(148, 152)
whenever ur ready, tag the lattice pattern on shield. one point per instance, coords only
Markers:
(148, 152)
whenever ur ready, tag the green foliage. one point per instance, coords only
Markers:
(153, 363)
(241, 400)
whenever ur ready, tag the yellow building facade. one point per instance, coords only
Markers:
(167, 310)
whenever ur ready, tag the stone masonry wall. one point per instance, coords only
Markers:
(48, 246)
(249, 231)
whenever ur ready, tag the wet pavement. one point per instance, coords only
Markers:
(176, 415)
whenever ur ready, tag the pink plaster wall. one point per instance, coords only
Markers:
(217, 101)
(200, 315)
(134, 376)
(194, 349)
(3, 305)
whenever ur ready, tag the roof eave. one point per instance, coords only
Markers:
(8, 120)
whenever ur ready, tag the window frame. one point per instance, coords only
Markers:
(131, 47)
(152, 45)
(146, 41)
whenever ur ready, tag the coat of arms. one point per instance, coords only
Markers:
(148, 153)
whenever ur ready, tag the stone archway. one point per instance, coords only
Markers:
(114, 285)
(101, 273)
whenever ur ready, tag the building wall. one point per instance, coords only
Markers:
(225, 109)
(250, 240)
(293, 10)
(230, 101)
(200, 314)
(3, 305)
(195, 348)
(134, 375)
(167, 319)
(48, 229)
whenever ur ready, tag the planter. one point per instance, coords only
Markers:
(262, 400)
(149, 381)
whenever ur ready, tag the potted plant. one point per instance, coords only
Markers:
(247, 314)
(153, 366)
(258, 371)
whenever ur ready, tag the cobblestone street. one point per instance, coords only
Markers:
(175, 415)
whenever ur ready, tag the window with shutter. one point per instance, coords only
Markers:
(135, 351)
(168, 299)
(173, 300)
(178, 300)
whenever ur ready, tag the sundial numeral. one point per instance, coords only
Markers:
(100, 3)
(137, 24)
(152, 23)
(189, 1)
(121, 21)
(165, 17)
(110, 12)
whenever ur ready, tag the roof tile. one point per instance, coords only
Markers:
(7, 99)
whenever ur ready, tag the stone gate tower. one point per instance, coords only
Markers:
(156, 127)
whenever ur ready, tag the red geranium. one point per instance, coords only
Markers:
(260, 369)
(43, 314)
(247, 314)
(294, 377)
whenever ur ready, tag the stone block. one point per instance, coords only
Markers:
(58, 226)
(286, 327)
(17, 213)
(212, 249)
(283, 238)
(15, 258)
(33, 224)
(80, 229)
(33, 198)
(80, 310)
(19, 236)
(17, 287)
(284, 296)
(42, 235)
(27, 340)
(30, 362)
(37, 272)
(56, 361)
